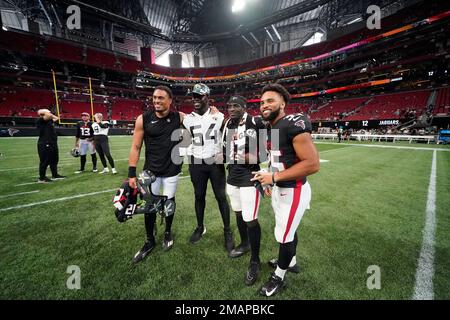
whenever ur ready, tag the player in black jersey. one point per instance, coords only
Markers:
(155, 129)
(293, 157)
(84, 142)
(241, 139)
(205, 125)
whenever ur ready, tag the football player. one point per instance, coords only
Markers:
(293, 157)
(101, 142)
(205, 127)
(84, 142)
(242, 155)
(155, 129)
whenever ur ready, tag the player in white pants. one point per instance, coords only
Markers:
(293, 157)
(84, 143)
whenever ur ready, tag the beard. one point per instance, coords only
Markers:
(272, 116)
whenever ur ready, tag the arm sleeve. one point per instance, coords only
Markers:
(104, 124)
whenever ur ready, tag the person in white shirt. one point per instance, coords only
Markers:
(205, 127)
(101, 142)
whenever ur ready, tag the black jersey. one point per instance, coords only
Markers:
(47, 132)
(158, 143)
(239, 139)
(84, 130)
(280, 146)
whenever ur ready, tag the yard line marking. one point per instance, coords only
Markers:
(25, 184)
(62, 165)
(65, 198)
(384, 146)
(423, 289)
(56, 200)
(18, 194)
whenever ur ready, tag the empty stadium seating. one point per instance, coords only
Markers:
(392, 106)
(442, 105)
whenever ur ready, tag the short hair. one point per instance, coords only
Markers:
(166, 89)
(279, 89)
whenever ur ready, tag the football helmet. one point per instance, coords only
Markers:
(125, 202)
(126, 198)
(151, 203)
(75, 152)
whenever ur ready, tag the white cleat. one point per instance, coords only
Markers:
(114, 171)
(106, 170)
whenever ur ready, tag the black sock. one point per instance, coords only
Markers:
(285, 255)
(169, 221)
(254, 235)
(83, 162)
(242, 227)
(149, 220)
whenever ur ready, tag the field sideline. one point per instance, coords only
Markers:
(369, 207)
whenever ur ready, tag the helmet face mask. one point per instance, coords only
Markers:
(75, 152)
(125, 199)
(125, 202)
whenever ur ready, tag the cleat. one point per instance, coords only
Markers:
(114, 171)
(197, 235)
(240, 250)
(106, 170)
(94, 170)
(252, 273)
(44, 180)
(274, 263)
(273, 286)
(229, 243)
(141, 254)
(58, 177)
(79, 171)
(168, 241)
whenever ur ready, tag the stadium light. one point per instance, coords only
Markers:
(238, 5)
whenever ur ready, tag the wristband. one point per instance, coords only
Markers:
(273, 177)
(131, 172)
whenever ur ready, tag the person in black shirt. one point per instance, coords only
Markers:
(155, 129)
(47, 146)
(293, 157)
(242, 132)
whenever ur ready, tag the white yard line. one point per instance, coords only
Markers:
(17, 194)
(56, 200)
(62, 165)
(423, 289)
(26, 184)
(384, 146)
(65, 198)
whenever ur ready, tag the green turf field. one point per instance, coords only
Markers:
(368, 208)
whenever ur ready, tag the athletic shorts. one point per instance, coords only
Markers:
(245, 199)
(86, 145)
(169, 186)
(289, 205)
